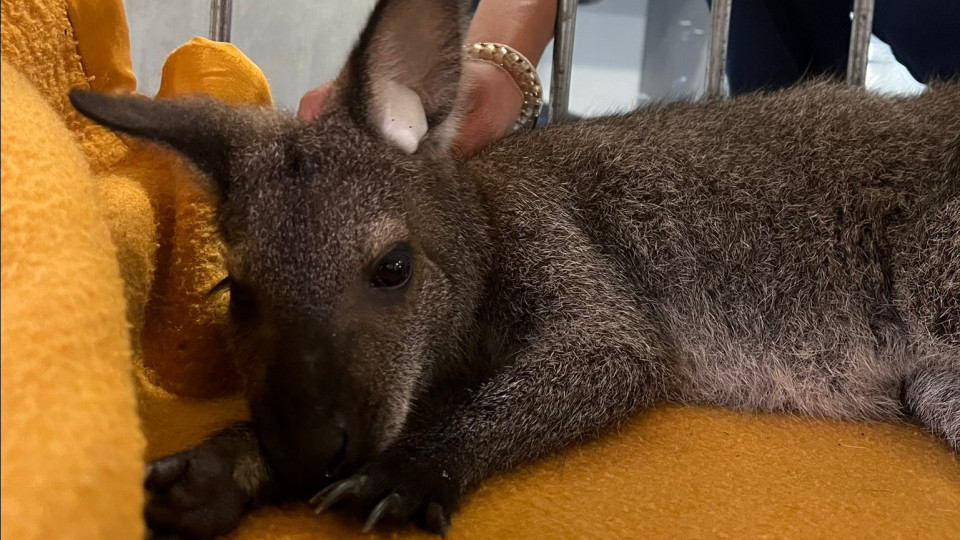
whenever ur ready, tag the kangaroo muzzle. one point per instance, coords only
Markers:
(311, 421)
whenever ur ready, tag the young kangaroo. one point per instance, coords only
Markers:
(408, 323)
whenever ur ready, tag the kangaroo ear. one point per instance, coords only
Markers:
(195, 128)
(403, 74)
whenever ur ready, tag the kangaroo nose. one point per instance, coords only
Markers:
(306, 414)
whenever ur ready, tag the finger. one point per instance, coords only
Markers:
(314, 102)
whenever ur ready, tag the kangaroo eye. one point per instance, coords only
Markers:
(392, 270)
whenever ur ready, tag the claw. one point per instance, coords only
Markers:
(388, 504)
(323, 493)
(436, 520)
(333, 494)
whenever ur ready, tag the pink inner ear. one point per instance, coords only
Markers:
(410, 53)
(403, 121)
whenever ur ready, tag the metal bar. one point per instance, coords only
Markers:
(860, 32)
(717, 47)
(562, 59)
(221, 18)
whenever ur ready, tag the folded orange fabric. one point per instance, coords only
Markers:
(71, 443)
(214, 68)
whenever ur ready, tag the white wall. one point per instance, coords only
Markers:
(298, 44)
(607, 56)
(156, 29)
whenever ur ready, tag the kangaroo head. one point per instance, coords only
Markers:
(353, 247)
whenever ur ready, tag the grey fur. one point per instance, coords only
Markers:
(797, 251)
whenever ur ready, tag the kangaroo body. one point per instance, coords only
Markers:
(406, 324)
(771, 253)
(794, 261)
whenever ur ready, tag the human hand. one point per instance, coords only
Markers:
(314, 102)
(490, 104)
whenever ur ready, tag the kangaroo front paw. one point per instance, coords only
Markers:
(193, 494)
(398, 487)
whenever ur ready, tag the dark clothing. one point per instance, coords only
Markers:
(774, 43)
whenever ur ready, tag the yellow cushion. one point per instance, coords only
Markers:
(671, 472)
(71, 445)
(214, 68)
(183, 336)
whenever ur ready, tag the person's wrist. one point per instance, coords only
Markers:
(525, 25)
(494, 93)
(491, 106)
(520, 71)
